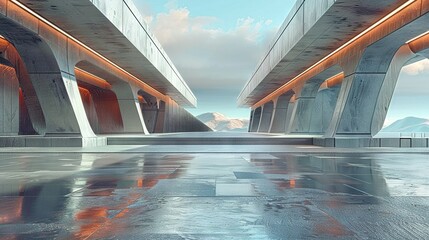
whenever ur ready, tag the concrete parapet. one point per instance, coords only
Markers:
(43, 141)
(371, 142)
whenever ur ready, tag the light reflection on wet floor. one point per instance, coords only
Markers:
(214, 196)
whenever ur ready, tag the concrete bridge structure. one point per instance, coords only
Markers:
(73, 71)
(332, 68)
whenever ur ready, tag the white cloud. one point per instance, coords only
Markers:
(208, 57)
(417, 68)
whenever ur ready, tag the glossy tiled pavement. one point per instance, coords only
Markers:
(277, 195)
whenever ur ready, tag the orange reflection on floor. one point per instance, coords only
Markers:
(94, 217)
(292, 183)
(12, 214)
(331, 227)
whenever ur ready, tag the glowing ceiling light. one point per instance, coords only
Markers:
(419, 36)
(379, 22)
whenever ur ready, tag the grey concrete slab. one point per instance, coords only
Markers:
(335, 195)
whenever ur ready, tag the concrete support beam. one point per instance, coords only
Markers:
(256, 119)
(279, 120)
(307, 106)
(266, 117)
(323, 109)
(129, 106)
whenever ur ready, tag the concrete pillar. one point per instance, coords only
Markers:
(77, 109)
(251, 120)
(9, 99)
(256, 119)
(129, 106)
(149, 107)
(306, 100)
(323, 109)
(279, 121)
(266, 116)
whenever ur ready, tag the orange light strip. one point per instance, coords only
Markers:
(419, 36)
(96, 78)
(403, 6)
(138, 81)
(335, 80)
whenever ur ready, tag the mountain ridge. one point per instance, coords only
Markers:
(408, 125)
(220, 122)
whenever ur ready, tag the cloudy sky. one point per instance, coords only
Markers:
(216, 45)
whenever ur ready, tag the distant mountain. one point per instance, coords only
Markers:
(220, 122)
(408, 125)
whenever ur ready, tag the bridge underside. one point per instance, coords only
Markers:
(342, 92)
(58, 90)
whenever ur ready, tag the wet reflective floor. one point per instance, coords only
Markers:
(214, 196)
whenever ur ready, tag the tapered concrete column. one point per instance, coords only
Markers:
(79, 112)
(323, 109)
(279, 121)
(251, 120)
(256, 119)
(129, 106)
(9, 99)
(266, 116)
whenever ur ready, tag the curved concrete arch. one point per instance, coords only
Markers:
(281, 108)
(256, 119)
(126, 96)
(35, 114)
(55, 91)
(266, 116)
(306, 115)
(100, 103)
(366, 93)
